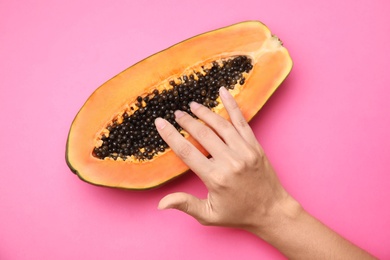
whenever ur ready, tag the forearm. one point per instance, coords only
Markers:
(298, 235)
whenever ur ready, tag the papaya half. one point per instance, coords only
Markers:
(113, 142)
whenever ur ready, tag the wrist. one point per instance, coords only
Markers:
(282, 214)
(298, 235)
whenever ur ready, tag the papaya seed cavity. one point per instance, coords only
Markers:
(132, 136)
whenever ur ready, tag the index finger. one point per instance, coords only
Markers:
(186, 151)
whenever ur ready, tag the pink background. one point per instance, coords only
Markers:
(326, 130)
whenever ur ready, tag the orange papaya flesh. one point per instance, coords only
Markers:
(132, 135)
(99, 148)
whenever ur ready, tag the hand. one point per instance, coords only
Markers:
(243, 189)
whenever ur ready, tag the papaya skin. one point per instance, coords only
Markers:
(271, 65)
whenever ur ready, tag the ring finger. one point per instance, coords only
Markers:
(203, 134)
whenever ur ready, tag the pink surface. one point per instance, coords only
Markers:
(326, 129)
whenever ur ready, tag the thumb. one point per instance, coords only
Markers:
(185, 202)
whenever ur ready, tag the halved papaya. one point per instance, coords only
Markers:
(112, 141)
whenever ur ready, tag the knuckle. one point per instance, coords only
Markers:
(252, 157)
(220, 181)
(233, 104)
(241, 122)
(184, 151)
(246, 160)
(204, 132)
(184, 207)
(169, 134)
(238, 166)
(222, 124)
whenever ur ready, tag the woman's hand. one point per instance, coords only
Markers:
(243, 188)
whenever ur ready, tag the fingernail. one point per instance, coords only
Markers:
(160, 123)
(224, 92)
(179, 114)
(194, 105)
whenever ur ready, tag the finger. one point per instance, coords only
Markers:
(202, 133)
(220, 125)
(183, 148)
(236, 116)
(186, 203)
